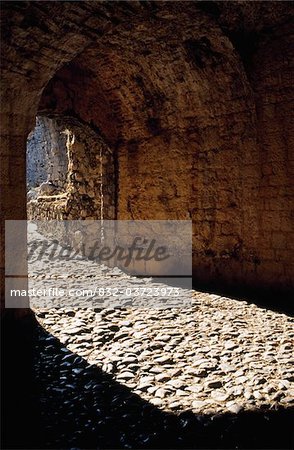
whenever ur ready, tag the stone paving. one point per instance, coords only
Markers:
(218, 355)
(215, 355)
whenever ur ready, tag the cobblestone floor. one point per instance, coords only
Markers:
(218, 355)
(134, 377)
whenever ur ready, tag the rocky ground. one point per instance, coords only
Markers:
(219, 355)
(187, 376)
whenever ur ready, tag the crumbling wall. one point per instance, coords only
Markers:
(47, 160)
(89, 190)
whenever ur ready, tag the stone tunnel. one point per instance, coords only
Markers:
(153, 110)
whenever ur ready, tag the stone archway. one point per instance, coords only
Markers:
(199, 127)
(178, 154)
(186, 99)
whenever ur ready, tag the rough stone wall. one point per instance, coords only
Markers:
(271, 77)
(47, 155)
(184, 119)
(196, 119)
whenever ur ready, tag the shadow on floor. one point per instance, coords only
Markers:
(274, 300)
(54, 399)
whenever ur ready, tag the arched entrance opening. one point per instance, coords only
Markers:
(70, 172)
(194, 135)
